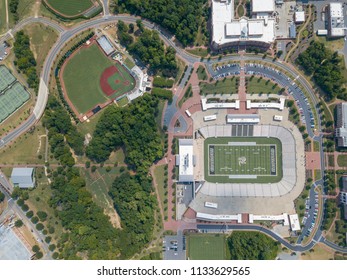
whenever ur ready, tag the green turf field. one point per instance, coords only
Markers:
(82, 78)
(206, 247)
(116, 81)
(243, 159)
(70, 7)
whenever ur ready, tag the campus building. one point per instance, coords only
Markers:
(336, 24)
(23, 178)
(343, 196)
(185, 160)
(257, 31)
(341, 125)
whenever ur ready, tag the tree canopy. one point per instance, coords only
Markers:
(249, 245)
(25, 60)
(181, 17)
(326, 68)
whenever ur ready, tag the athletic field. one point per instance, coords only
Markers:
(70, 8)
(206, 247)
(6, 78)
(243, 159)
(91, 78)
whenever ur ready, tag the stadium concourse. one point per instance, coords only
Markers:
(252, 198)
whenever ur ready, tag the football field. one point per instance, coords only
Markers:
(243, 159)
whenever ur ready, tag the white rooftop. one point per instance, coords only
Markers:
(263, 6)
(336, 10)
(300, 16)
(294, 222)
(226, 29)
(186, 160)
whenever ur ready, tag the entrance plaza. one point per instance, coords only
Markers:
(249, 197)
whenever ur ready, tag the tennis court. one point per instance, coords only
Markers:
(12, 99)
(6, 78)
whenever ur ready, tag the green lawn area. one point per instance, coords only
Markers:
(198, 51)
(186, 96)
(240, 10)
(122, 102)
(263, 160)
(316, 147)
(201, 71)
(82, 82)
(317, 174)
(160, 179)
(257, 86)
(225, 86)
(25, 150)
(42, 39)
(342, 160)
(2, 16)
(331, 160)
(68, 7)
(38, 201)
(206, 247)
(129, 63)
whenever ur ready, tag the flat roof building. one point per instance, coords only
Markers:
(23, 178)
(341, 124)
(294, 222)
(263, 6)
(185, 160)
(299, 17)
(343, 196)
(106, 45)
(335, 20)
(256, 31)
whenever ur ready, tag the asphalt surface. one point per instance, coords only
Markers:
(65, 35)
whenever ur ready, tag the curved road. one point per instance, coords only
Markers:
(66, 35)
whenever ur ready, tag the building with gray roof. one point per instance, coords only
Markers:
(23, 178)
(341, 124)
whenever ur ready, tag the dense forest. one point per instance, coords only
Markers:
(13, 5)
(25, 60)
(149, 48)
(326, 68)
(132, 127)
(250, 245)
(180, 17)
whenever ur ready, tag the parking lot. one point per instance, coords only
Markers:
(174, 247)
(223, 71)
(3, 50)
(301, 100)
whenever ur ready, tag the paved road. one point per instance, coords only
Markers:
(4, 186)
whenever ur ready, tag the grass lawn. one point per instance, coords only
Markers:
(240, 10)
(331, 160)
(320, 252)
(42, 39)
(129, 63)
(160, 179)
(257, 85)
(203, 52)
(327, 113)
(332, 44)
(206, 247)
(70, 8)
(316, 147)
(181, 65)
(122, 102)
(317, 174)
(3, 16)
(201, 71)
(98, 183)
(25, 150)
(82, 82)
(89, 127)
(225, 86)
(264, 160)
(186, 96)
(342, 160)
(38, 201)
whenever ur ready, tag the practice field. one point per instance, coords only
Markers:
(88, 73)
(70, 8)
(243, 159)
(206, 247)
